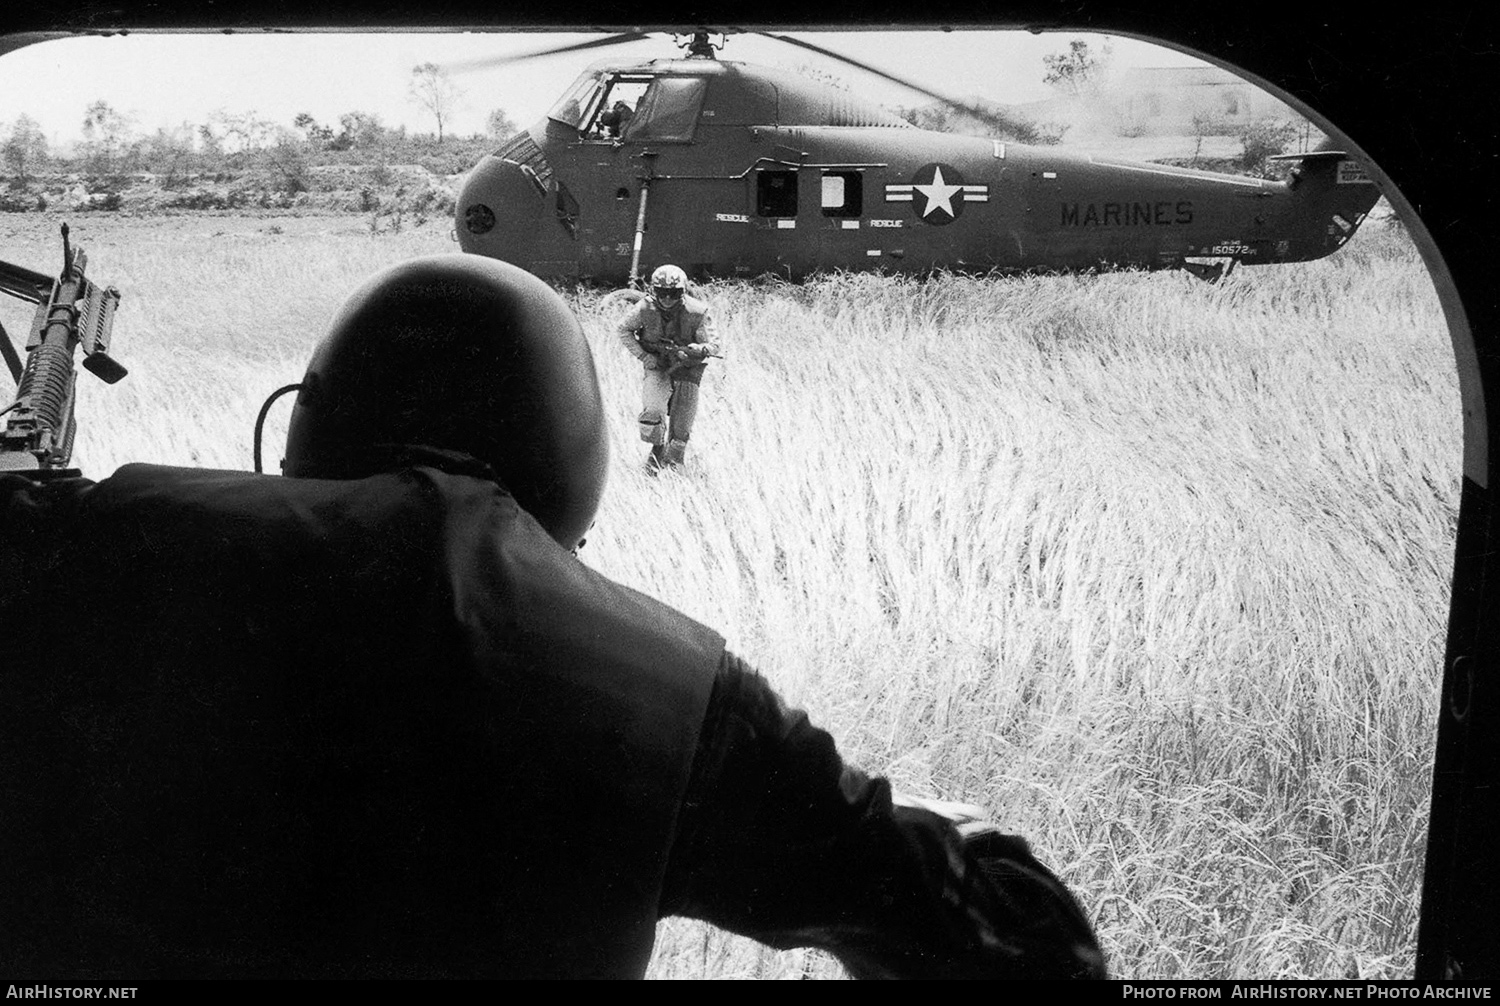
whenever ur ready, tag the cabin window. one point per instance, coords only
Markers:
(668, 111)
(843, 193)
(776, 193)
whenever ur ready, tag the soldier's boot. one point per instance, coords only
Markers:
(676, 453)
(653, 427)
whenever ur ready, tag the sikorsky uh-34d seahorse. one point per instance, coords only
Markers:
(733, 169)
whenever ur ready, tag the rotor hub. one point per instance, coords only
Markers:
(698, 45)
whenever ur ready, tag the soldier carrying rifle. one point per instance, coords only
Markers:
(673, 335)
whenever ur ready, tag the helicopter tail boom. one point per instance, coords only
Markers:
(1330, 195)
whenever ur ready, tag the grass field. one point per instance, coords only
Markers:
(1156, 571)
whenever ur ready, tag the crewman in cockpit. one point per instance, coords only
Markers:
(673, 335)
(616, 119)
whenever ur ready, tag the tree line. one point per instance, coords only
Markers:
(227, 142)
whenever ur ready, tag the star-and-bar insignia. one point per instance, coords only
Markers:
(937, 193)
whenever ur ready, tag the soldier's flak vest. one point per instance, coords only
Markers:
(380, 727)
(679, 328)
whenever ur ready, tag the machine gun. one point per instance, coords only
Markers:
(71, 311)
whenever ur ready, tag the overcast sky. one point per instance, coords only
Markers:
(165, 80)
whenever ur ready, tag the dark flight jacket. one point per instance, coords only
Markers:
(265, 726)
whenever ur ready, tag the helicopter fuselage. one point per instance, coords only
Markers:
(722, 185)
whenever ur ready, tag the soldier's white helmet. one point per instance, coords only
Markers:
(668, 283)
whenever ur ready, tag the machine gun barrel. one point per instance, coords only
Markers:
(40, 423)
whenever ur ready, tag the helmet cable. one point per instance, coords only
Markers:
(260, 420)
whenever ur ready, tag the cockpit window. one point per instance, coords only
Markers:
(669, 110)
(579, 102)
(622, 98)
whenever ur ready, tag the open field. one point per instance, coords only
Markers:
(1155, 571)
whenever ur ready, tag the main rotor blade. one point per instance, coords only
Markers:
(963, 106)
(490, 62)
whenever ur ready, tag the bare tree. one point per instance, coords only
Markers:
(25, 149)
(1077, 71)
(106, 137)
(431, 89)
(1204, 124)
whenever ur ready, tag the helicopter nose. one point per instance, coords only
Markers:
(500, 211)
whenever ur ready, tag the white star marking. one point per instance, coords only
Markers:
(938, 193)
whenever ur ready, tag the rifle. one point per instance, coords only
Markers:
(667, 353)
(71, 311)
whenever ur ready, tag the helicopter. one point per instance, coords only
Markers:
(731, 169)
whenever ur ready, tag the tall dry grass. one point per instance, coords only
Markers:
(1154, 570)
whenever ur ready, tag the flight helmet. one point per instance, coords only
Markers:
(668, 286)
(465, 355)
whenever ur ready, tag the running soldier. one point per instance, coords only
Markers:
(673, 335)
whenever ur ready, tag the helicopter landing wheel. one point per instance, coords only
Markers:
(617, 300)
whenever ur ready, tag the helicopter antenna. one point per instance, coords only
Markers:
(698, 46)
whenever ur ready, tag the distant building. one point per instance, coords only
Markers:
(1158, 101)
(1178, 100)
(1145, 113)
